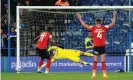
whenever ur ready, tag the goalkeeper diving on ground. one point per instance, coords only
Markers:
(70, 54)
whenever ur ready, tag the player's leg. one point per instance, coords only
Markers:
(94, 70)
(52, 60)
(39, 51)
(48, 61)
(102, 56)
(95, 59)
(39, 65)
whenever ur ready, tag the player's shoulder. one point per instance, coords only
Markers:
(48, 33)
(92, 27)
(105, 26)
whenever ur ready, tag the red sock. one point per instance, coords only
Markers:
(48, 64)
(94, 66)
(103, 66)
(40, 62)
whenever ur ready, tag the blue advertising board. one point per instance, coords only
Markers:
(30, 64)
(2, 64)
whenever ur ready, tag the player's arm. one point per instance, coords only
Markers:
(51, 42)
(34, 40)
(113, 20)
(51, 48)
(37, 38)
(88, 27)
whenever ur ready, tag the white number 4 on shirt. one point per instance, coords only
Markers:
(99, 35)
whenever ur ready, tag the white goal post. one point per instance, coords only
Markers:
(56, 7)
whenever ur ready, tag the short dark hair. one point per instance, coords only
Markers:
(49, 29)
(63, 0)
(98, 21)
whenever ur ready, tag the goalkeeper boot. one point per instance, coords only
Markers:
(105, 76)
(46, 72)
(93, 76)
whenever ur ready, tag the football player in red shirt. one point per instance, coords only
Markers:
(41, 47)
(99, 41)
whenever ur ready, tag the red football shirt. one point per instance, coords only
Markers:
(43, 40)
(99, 35)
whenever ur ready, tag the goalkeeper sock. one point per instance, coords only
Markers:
(48, 65)
(88, 54)
(40, 64)
(104, 67)
(94, 67)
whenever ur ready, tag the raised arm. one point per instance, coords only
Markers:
(88, 27)
(113, 20)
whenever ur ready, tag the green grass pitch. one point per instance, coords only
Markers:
(64, 76)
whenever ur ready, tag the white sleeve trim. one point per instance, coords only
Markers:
(107, 26)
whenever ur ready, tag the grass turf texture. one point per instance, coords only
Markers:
(64, 76)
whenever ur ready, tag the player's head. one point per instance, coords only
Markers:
(98, 23)
(49, 29)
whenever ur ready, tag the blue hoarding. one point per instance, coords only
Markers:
(29, 64)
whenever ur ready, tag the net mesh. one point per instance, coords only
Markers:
(69, 33)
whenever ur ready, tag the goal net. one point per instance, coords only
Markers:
(69, 33)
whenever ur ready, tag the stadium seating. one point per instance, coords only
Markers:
(86, 2)
(96, 3)
(117, 3)
(106, 3)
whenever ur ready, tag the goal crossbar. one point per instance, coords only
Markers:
(75, 7)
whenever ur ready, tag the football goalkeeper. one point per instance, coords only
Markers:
(73, 55)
